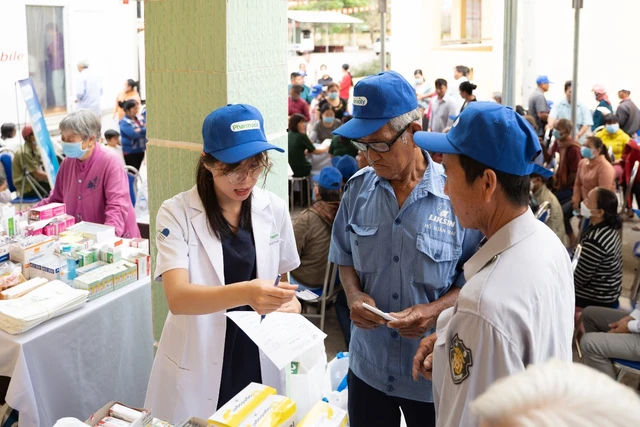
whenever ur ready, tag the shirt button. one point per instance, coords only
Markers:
(437, 255)
(395, 296)
(391, 378)
(397, 221)
(394, 334)
(396, 258)
(79, 197)
(390, 388)
(79, 181)
(356, 243)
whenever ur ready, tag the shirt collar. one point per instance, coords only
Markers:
(509, 235)
(433, 176)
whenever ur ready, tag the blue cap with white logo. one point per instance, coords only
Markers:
(235, 133)
(376, 100)
(492, 134)
(329, 178)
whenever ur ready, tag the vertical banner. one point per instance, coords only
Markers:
(48, 154)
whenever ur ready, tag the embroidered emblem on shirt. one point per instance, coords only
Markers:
(93, 183)
(442, 216)
(162, 234)
(460, 360)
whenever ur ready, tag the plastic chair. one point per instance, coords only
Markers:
(626, 367)
(134, 181)
(7, 162)
(578, 312)
(329, 291)
(543, 212)
(302, 180)
(628, 202)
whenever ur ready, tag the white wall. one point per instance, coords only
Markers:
(102, 31)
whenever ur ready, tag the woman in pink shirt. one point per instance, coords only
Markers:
(594, 170)
(91, 181)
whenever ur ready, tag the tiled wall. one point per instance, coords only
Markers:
(201, 55)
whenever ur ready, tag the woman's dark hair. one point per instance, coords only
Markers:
(7, 130)
(520, 110)
(515, 188)
(567, 85)
(329, 195)
(325, 107)
(564, 126)
(608, 202)
(419, 72)
(294, 120)
(468, 87)
(611, 119)
(345, 67)
(128, 104)
(332, 85)
(462, 69)
(599, 146)
(133, 84)
(218, 225)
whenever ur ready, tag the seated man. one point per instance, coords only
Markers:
(610, 333)
(542, 194)
(312, 230)
(28, 158)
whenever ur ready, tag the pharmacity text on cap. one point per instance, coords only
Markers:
(235, 133)
(491, 134)
(376, 100)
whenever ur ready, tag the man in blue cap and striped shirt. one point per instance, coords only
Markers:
(400, 249)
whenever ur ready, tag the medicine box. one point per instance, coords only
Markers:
(325, 415)
(98, 284)
(142, 244)
(274, 411)
(143, 421)
(192, 422)
(97, 232)
(233, 413)
(47, 211)
(23, 253)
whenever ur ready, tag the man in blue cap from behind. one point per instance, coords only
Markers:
(400, 249)
(518, 302)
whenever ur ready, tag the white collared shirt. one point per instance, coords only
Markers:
(515, 309)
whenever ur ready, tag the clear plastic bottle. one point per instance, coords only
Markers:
(71, 264)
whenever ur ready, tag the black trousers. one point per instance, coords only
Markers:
(369, 407)
(134, 159)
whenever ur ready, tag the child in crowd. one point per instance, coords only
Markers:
(112, 138)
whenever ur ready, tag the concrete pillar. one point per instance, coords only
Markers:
(201, 55)
(414, 49)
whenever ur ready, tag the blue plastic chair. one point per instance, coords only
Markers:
(132, 188)
(626, 367)
(7, 163)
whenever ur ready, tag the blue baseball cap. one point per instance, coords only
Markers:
(347, 166)
(330, 178)
(235, 133)
(335, 160)
(376, 100)
(316, 90)
(492, 134)
(543, 80)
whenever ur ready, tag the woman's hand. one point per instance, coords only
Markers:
(292, 306)
(265, 298)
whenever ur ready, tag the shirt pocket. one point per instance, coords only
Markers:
(435, 262)
(363, 247)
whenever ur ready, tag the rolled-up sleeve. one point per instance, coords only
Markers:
(340, 250)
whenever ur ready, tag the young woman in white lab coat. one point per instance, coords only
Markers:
(220, 246)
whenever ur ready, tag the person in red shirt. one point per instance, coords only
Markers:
(297, 105)
(346, 82)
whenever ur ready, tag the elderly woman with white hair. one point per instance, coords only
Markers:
(557, 394)
(91, 180)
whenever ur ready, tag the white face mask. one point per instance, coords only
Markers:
(584, 210)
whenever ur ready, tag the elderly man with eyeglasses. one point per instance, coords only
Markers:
(400, 249)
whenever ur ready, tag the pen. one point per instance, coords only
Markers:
(275, 285)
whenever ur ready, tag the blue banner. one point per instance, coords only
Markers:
(48, 154)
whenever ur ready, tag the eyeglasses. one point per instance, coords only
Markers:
(238, 177)
(378, 146)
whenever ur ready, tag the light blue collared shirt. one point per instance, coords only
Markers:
(562, 110)
(403, 257)
(89, 92)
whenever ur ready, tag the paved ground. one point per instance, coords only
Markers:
(334, 61)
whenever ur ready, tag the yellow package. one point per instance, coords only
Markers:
(241, 406)
(275, 411)
(325, 415)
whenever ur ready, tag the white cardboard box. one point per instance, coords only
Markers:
(104, 412)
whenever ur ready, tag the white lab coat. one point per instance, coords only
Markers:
(185, 379)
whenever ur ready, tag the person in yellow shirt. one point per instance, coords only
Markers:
(615, 140)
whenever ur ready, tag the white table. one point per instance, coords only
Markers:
(73, 365)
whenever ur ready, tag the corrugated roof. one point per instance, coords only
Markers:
(321, 17)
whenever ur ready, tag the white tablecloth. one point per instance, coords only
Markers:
(73, 365)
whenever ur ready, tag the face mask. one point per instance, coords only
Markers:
(333, 95)
(584, 210)
(418, 81)
(556, 134)
(612, 128)
(73, 149)
(328, 120)
(586, 152)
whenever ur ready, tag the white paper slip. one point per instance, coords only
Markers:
(325, 143)
(281, 336)
(380, 313)
(307, 295)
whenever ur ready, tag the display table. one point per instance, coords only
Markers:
(72, 365)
